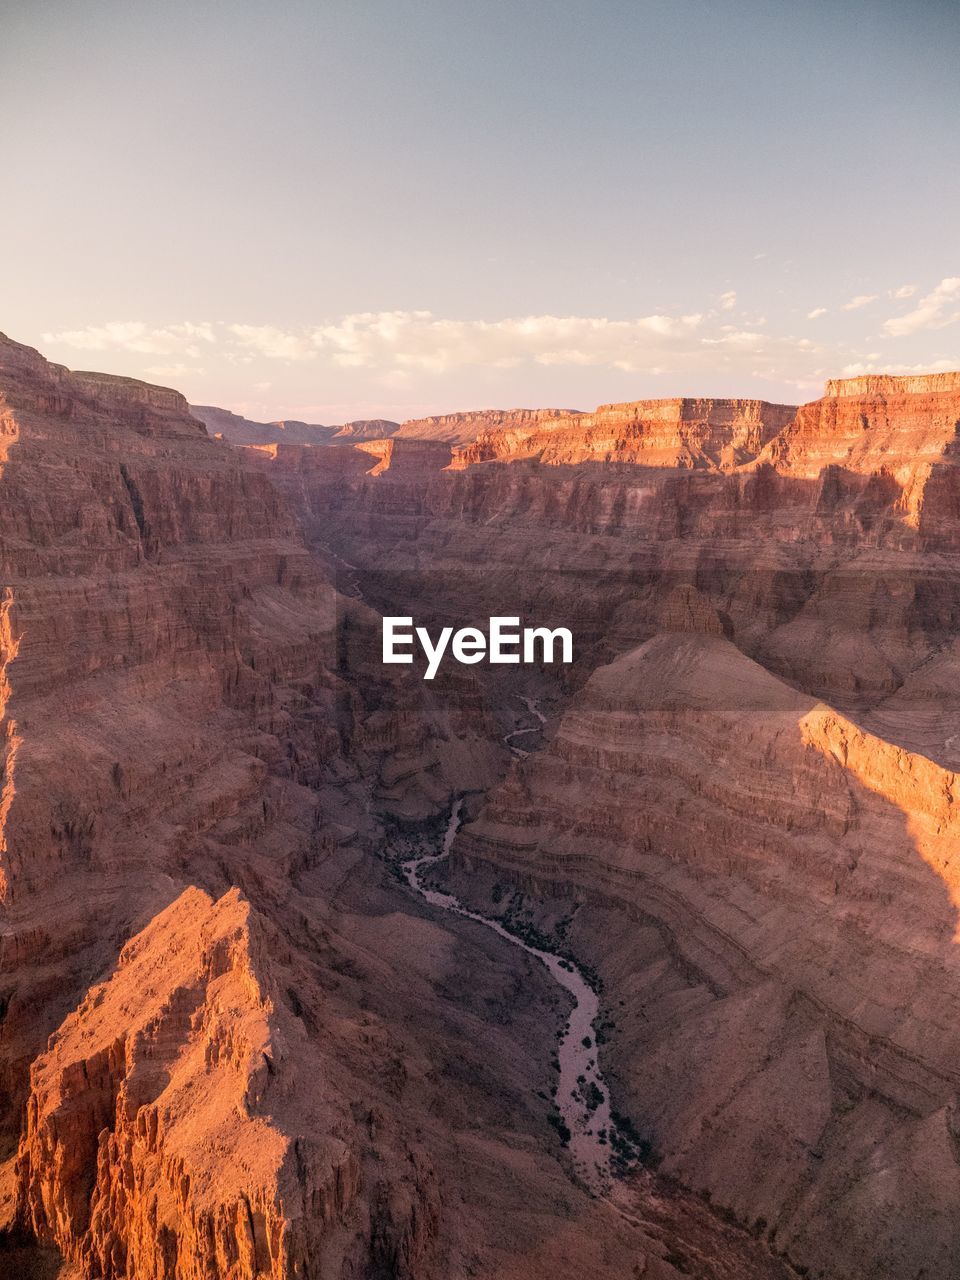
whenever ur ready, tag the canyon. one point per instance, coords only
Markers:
(240, 1037)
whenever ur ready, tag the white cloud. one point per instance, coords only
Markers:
(744, 339)
(939, 308)
(404, 350)
(861, 300)
(728, 300)
(905, 291)
(871, 365)
(268, 340)
(171, 370)
(133, 335)
(420, 341)
(397, 349)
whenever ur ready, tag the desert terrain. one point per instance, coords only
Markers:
(291, 939)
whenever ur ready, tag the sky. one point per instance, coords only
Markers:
(337, 209)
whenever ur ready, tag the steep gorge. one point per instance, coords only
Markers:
(746, 792)
(233, 1044)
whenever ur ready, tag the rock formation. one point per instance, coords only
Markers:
(187, 1049)
(655, 433)
(234, 1045)
(231, 1044)
(461, 428)
(239, 430)
(771, 895)
(748, 799)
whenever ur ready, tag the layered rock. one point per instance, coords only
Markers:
(771, 894)
(767, 879)
(820, 561)
(461, 428)
(240, 430)
(654, 433)
(269, 1060)
(175, 1090)
(265, 1059)
(895, 433)
(186, 700)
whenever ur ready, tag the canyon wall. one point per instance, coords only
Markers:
(657, 433)
(747, 794)
(231, 1044)
(770, 895)
(240, 430)
(828, 553)
(208, 1065)
(460, 428)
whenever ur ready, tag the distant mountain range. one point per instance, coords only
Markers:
(450, 428)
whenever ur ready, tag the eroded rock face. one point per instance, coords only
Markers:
(232, 1045)
(173, 1089)
(827, 553)
(772, 894)
(751, 790)
(187, 700)
(655, 433)
(239, 430)
(460, 428)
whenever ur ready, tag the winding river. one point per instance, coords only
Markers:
(582, 1098)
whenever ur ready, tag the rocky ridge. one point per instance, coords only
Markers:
(771, 894)
(232, 1044)
(747, 799)
(741, 813)
(240, 430)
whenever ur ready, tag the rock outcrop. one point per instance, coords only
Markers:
(771, 895)
(239, 430)
(654, 433)
(233, 1045)
(461, 428)
(175, 1090)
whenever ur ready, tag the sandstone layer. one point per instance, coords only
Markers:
(240, 430)
(232, 1044)
(657, 433)
(747, 793)
(771, 894)
(461, 428)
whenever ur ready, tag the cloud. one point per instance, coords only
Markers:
(938, 309)
(398, 349)
(171, 370)
(743, 339)
(276, 344)
(133, 335)
(905, 291)
(728, 300)
(861, 300)
(420, 341)
(816, 313)
(871, 365)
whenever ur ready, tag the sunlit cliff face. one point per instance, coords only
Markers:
(233, 1038)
